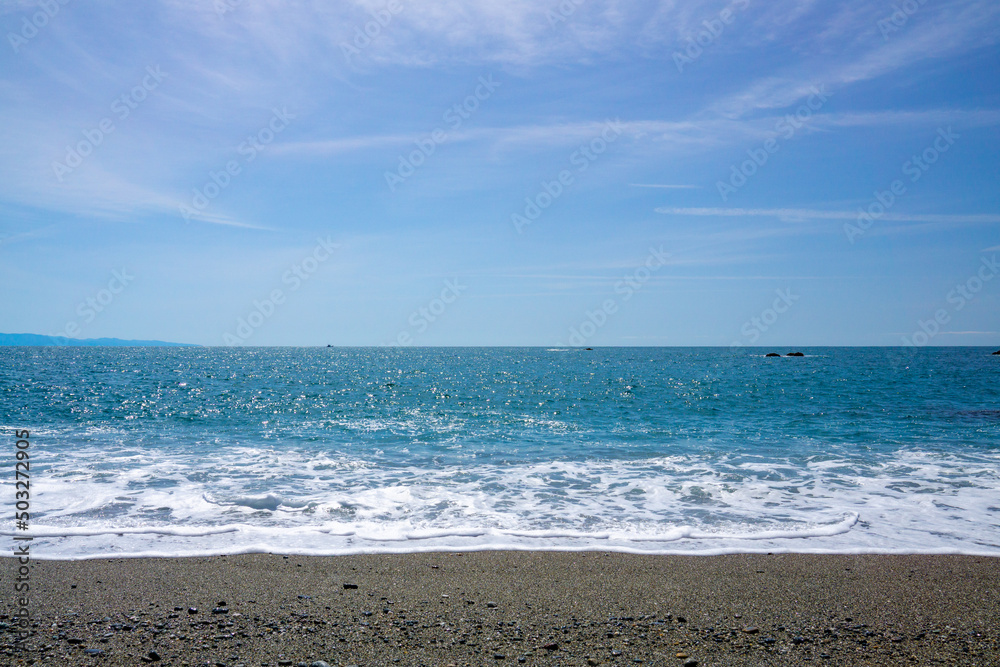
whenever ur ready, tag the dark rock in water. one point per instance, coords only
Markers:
(996, 353)
(350, 586)
(795, 354)
(589, 349)
(772, 354)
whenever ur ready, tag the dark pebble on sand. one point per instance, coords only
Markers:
(93, 651)
(350, 586)
(319, 663)
(220, 610)
(192, 610)
(691, 663)
(74, 640)
(551, 646)
(499, 656)
(751, 630)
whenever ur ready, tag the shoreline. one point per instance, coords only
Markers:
(510, 607)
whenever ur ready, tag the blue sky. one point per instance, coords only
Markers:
(589, 172)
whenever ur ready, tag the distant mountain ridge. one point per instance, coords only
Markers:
(8, 340)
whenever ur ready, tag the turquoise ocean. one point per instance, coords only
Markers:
(198, 451)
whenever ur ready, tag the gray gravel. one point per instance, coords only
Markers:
(511, 608)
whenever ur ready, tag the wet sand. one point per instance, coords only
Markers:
(509, 608)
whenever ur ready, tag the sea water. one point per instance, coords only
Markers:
(198, 451)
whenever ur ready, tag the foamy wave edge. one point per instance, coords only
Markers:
(368, 541)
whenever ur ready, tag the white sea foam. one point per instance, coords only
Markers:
(91, 503)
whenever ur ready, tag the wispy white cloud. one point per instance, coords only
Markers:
(802, 214)
(221, 219)
(682, 135)
(953, 28)
(301, 41)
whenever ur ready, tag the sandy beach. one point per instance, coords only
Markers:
(529, 608)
